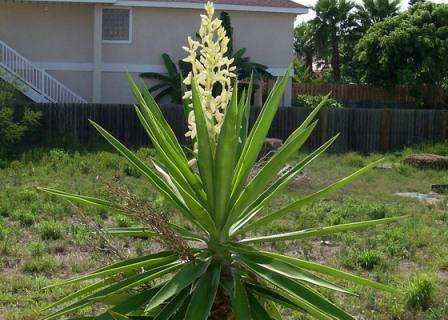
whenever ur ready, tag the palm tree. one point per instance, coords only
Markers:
(169, 83)
(304, 44)
(334, 21)
(373, 11)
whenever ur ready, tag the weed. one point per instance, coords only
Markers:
(36, 248)
(420, 292)
(50, 230)
(43, 264)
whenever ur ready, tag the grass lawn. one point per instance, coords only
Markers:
(44, 239)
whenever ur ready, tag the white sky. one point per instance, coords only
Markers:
(310, 3)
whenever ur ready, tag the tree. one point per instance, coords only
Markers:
(373, 11)
(334, 21)
(413, 2)
(244, 65)
(304, 44)
(408, 49)
(169, 84)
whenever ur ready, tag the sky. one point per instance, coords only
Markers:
(311, 3)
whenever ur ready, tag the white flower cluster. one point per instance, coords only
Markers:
(212, 71)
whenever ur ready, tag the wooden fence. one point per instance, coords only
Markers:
(362, 130)
(354, 95)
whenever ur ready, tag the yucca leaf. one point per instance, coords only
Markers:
(117, 316)
(174, 305)
(137, 232)
(146, 232)
(133, 303)
(185, 277)
(239, 299)
(318, 232)
(289, 271)
(115, 288)
(149, 106)
(311, 198)
(155, 180)
(335, 273)
(78, 293)
(204, 294)
(136, 260)
(255, 141)
(178, 169)
(273, 295)
(311, 116)
(311, 301)
(151, 262)
(244, 115)
(258, 312)
(205, 149)
(259, 183)
(225, 160)
(276, 188)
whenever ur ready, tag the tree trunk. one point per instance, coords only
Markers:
(222, 308)
(309, 62)
(335, 60)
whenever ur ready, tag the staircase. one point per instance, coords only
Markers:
(33, 81)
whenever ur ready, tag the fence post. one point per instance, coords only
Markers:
(385, 130)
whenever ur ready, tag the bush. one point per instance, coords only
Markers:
(310, 101)
(44, 264)
(50, 230)
(368, 259)
(13, 126)
(420, 292)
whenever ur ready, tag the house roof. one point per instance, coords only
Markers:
(280, 6)
(259, 3)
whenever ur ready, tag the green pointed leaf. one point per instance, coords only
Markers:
(239, 298)
(289, 271)
(311, 198)
(276, 188)
(204, 294)
(225, 160)
(258, 312)
(185, 277)
(259, 183)
(311, 301)
(149, 263)
(205, 147)
(338, 274)
(173, 306)
(255, 141)
(318, 232)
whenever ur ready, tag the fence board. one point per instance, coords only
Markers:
(362, 130)
(364, 96)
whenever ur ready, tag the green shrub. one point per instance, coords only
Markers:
(420, 292)
(36, 248)
(25, 217)
(43, 264)
(310, 101)
(369, 258)
(378, 211)
(50, 230)
(14, 126)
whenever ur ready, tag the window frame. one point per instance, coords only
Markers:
(130, 25)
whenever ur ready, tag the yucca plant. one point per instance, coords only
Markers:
(211, 268)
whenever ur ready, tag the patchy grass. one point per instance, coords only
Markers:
(44, 239)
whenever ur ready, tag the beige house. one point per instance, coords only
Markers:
(79, 50)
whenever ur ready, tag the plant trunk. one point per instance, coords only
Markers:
(222, 308)
(309, 62)
(335, 60)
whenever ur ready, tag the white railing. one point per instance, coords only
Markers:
(37, 79)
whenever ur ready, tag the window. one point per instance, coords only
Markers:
(117, 25)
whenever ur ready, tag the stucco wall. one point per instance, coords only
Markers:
(50, 33)
(267, 36)
(62, 35)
